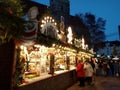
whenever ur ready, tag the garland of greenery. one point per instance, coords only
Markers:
(11, 22)
(48, 41)
(18, 79)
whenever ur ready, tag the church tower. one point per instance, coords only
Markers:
(60, 8)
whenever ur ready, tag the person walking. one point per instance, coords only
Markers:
(80, 73)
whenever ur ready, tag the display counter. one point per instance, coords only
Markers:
(59, 81)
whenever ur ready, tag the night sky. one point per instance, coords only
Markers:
(107, 9)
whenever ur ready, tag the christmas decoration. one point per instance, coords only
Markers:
(20, 63)
(11, 22)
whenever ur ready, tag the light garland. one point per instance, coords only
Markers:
(48, 27)
(69, 36)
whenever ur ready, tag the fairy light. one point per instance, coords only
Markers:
(83, 43)
(55, 23)
(53, 20)
(21, 47)
(48, 21)
(69, 36)
(47, 17)
(43, 21)
(42, 25)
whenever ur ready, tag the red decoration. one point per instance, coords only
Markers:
(29, 34)
(23, 59)
(10, 11)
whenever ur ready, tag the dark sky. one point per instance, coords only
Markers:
(107, 9)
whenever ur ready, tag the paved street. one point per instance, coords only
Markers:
(101, 83)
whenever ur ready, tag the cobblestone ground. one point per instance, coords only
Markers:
(101, 83)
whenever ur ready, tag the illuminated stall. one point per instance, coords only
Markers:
(36, 60)
(84, 52)
(45, 52)
(39, 60)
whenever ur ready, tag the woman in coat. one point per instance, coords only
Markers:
(88, 72)
(80, 73)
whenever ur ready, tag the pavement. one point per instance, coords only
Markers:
(100, 83)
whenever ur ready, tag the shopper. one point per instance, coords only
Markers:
(119, 68)
(104, 68)
(116, 66)
(80, 73)
(88, 72)
(111, 64)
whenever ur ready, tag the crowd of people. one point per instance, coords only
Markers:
(89, 68)
(108, 67)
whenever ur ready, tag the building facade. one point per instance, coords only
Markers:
(109, 49)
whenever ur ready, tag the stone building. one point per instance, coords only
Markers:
(108, 49)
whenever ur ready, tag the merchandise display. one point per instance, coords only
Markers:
(40, 60)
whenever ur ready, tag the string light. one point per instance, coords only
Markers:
(69, 36)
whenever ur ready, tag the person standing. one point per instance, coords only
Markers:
(119, 68)
(111, 64)
(88, 72)
(116, 66)
(80, 73)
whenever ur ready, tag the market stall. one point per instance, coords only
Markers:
(44, 52)
(38, 60)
